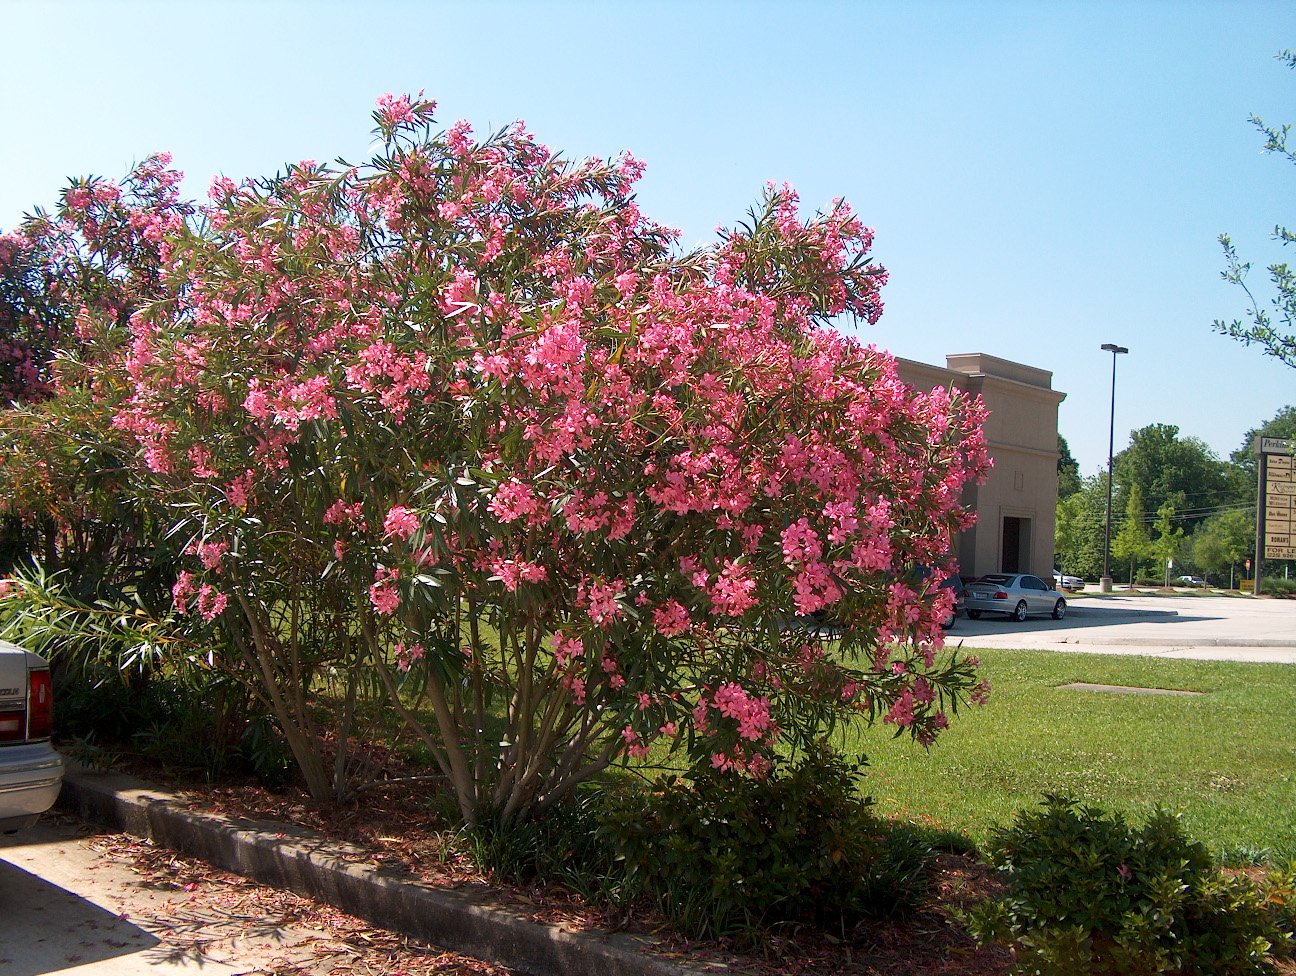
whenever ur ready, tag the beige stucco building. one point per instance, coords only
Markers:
(1017, 504)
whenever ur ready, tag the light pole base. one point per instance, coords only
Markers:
(1104, 585)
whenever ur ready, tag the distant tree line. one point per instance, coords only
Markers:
(1174, 499)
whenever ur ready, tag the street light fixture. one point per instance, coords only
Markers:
(1105, 584)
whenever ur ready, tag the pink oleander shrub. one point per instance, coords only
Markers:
(461, 431)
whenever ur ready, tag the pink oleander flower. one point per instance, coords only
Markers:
(383, 593)
(406, 657)
(211, 552)
(566, 649)
(576, 686)
(340, 513)
(238, 490)
(734, 590)
(513, 500)
(400, 523)
(670, 618)
(752, 714)
(901, 713)
(181, 590)
(394, 110)
(211, 604)
(603, 605)
(201, 460)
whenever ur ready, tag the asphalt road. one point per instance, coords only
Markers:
(1183, 625)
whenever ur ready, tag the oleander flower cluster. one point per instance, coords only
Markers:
(543, 467)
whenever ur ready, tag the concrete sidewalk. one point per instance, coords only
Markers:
(468, 919)
(1183, 625)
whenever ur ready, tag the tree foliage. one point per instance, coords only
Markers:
(1169, 537)
(1132, 543)
(1224, 541)
(1068, 470)
(1274, 331)
(1168, 468)
(460, 434)
(1078, 536)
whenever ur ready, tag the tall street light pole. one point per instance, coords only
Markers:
(1105, 584)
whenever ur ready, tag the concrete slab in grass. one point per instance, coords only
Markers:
(1125, 689)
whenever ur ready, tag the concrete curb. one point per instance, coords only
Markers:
(1183, 641)
(301, 861)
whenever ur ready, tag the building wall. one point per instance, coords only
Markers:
(1017, 505)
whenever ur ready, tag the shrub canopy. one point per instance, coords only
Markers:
(459, 430)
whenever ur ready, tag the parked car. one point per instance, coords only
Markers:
(31, 771)
(954, 583)
(1065, 582)
(1016, 594)
(1190, 581)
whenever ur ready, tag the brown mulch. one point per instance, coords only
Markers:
(395, 828)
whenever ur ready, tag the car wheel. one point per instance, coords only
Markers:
(1059, 610)
(1019, 612)
(948, 622)
(974, 614)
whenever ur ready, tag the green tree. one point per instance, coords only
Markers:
(1078, 534)
(1068, 470)
(1278, 340)
(1168, 468)
(1165, 546)
(1132, 542)
(1223, 541)
(1282, 424)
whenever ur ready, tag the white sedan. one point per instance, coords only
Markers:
(31, 771)
(1017, 595)
(1064, 582)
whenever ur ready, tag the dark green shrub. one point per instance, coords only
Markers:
(210, 731)
(1273, 586)
(1088, 894)
(563, 847)
(723, 855)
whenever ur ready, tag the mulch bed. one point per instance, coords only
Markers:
(392, 825)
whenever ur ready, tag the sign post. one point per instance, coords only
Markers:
(1276, 501)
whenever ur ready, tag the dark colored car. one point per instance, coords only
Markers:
(954, 583)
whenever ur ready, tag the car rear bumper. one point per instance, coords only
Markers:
(989, 606)
(30, 778)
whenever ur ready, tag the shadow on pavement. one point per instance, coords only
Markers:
(44, 929)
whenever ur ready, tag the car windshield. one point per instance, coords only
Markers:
(994, 578)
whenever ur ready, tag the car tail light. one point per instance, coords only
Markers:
(1001, 595)
(40, 705)
(11, 725)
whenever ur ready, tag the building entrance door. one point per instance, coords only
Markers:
(1016, 545)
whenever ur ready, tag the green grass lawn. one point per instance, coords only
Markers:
(1225, 760)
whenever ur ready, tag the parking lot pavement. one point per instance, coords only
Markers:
(75, 899)
(1185, 625)
(68, 902)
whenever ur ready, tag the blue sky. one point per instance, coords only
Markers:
(1043, 177)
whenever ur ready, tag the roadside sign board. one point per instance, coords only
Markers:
(1278, 492)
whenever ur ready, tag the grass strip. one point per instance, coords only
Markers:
(1225, 760)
